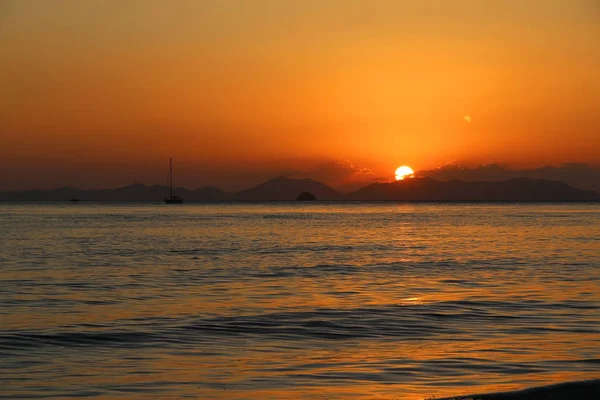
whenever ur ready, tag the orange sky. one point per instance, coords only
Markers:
(99, 93)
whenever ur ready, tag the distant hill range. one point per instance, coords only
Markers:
(287, 189)
(579, 175)
(518, 189)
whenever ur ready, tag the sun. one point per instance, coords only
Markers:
(404, 172)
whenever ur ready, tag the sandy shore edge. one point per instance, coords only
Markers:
(579, 390)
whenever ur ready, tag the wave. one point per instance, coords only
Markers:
(452, 320)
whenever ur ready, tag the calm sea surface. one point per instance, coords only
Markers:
(313, 301)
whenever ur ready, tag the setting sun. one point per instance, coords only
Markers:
(404, 172)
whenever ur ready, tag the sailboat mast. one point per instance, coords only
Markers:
(170, 177)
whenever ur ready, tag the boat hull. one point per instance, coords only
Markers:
(174, 201)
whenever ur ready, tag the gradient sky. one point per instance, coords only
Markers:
(99, 93)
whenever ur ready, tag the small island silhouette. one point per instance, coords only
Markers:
(306, 196)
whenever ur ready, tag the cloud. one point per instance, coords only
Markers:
(579, 175)
(340, 169)
(340, 174)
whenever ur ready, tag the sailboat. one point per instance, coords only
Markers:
(171, 199)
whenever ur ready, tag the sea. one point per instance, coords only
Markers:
(296, 300)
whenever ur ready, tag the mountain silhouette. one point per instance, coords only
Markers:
(288, 189)
(579, 175)
(135, 192)
(282, 188)
(518, 189)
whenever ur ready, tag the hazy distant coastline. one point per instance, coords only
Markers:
(287, 189)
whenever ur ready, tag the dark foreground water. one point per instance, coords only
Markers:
(313, 301)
